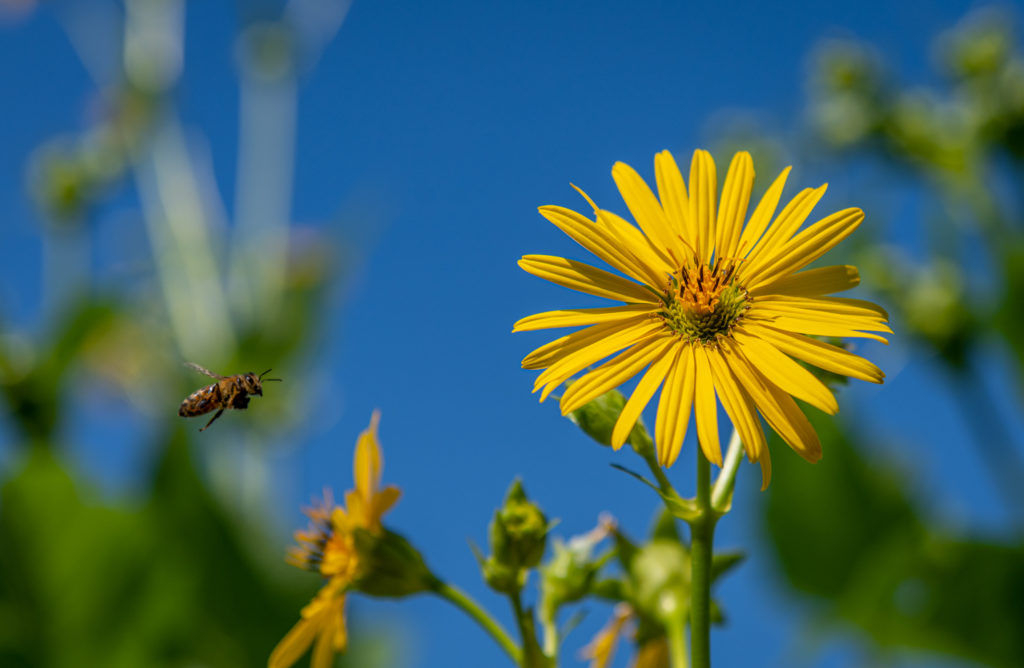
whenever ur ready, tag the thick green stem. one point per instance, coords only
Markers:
(480, 616)
(702, 530)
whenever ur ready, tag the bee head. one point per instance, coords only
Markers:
(254, 383)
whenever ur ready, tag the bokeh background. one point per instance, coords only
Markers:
(341, 193)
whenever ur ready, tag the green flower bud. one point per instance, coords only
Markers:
(519, 531)
(660, 573)
(392, 567)
(569, 575)
(597, 420)
(503, 578)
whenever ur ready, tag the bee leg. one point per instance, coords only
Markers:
(215, 416)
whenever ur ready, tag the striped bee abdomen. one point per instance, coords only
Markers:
(201, 401)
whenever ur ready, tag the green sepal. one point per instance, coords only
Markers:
(392, 566)
(597, 419)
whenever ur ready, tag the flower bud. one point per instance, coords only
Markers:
(597, 420)
(391, 566)
(518, 531)
(660, 573)
(569, 575)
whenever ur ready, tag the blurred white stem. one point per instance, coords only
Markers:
(722, 489)
(266, 158)
(177, 225)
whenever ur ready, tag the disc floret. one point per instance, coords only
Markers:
(704, 302)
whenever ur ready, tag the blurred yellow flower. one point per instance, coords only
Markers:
(714, 307)
(328, 548)
(601, 650)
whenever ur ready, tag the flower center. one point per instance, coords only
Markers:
(704, 302)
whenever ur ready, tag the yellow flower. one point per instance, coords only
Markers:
(328, 548)
(709, 306)
(601, 650)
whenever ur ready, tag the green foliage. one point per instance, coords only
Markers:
(168, 580)
(846, 532)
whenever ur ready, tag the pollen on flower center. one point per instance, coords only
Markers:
(704, 302)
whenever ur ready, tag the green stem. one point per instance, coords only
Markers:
(676, 630)
(550, 637)
(702, 530)
(470, 607)
(722, 490)
(531, 655)
(652, 463)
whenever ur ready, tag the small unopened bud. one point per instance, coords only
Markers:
(569, 575)
(518, 531)
(391, 566)
(503, 578)
(660, 572)
(597, 420)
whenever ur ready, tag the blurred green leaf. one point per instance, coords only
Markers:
(846, 532)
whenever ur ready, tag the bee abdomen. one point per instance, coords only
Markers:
(199, 402)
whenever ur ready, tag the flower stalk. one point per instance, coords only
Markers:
(463, 602)
(702, 531)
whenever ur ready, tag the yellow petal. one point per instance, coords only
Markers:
(739, 181)
(766, 469)
(817, 324)
(706, 407)
(645, 207)
(596, 239)
(655, 261)
(295, 643)
(572, 364)
(738, 405)
(762, 215)
(368, 464)
(581, 316)
(382, 503)
(613, 372)
(641, 396)
(562, 347)
(822, 355)
(703, 191)
(675, 405)
(784, 372)
(813, 282)
(780, 232)
(585, 278)
(806, 247)
(831, 306)
(652, 261)
(777, 407)
(672, 191)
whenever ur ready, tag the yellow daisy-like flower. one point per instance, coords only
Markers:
(328, 548)
(601, 650)
(709, 306)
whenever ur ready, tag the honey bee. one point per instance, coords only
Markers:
(228, 392)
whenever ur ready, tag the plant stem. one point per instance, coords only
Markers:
(550, 636)
(727, 478)
(480, 616)
(702, 531)
(652, 463)
(676, 631)
(531, 655)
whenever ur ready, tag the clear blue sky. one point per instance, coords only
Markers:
(461, 118)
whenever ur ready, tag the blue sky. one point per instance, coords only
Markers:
(455, 120)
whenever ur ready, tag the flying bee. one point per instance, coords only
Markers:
(228, 392)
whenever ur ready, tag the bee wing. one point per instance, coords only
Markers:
(201, 370)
